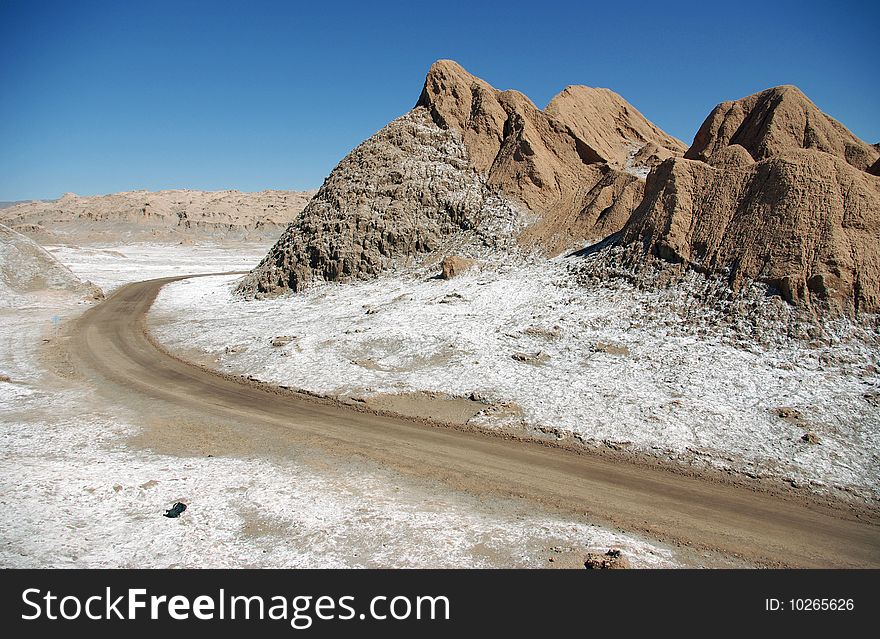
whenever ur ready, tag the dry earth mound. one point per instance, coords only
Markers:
(400, 194)
(25, 267)
(161, 215)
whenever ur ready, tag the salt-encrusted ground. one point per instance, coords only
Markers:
(77, 488)
(111, 265)
(606, 364)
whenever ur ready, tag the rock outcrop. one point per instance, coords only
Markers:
(577, 164)
(158, 215)
(454, 265)
(805, 222)
(771, 190)
(467, 159)
(400, 194)
(25, 268)
(774, 121)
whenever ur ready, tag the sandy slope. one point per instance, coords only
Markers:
(27, 268)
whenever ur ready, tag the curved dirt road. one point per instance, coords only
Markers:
(108, 344)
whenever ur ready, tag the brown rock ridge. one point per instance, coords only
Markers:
(576, 164)
(159, 215)
(805, 222)
(804, 218)
(461, 162)
(774, 121)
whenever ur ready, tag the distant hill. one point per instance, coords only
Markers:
(157, 215)
(6, 205)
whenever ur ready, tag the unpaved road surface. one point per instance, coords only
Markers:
(754, 523)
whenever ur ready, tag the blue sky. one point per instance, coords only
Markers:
(98, 97)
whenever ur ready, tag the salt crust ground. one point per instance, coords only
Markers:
(76, 493)
(607, 365)
(109, 266)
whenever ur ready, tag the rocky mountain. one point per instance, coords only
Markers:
(474, 163)
(774, 121)
(160, 216)
(25, 268)
(772, 189)
(576, 164)
(804, 218)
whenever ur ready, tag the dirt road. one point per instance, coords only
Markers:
(758, 524)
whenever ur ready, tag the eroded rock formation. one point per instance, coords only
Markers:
(804, 217)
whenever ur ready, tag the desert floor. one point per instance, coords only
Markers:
(94, 449)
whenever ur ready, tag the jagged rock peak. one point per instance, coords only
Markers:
(579, 164)
(610, 124)
(602, 123)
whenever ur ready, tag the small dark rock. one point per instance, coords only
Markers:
(787, 412)
(176, 510)
(536, 359)
(611, 560)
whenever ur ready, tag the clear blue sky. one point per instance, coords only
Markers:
(97, 97)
